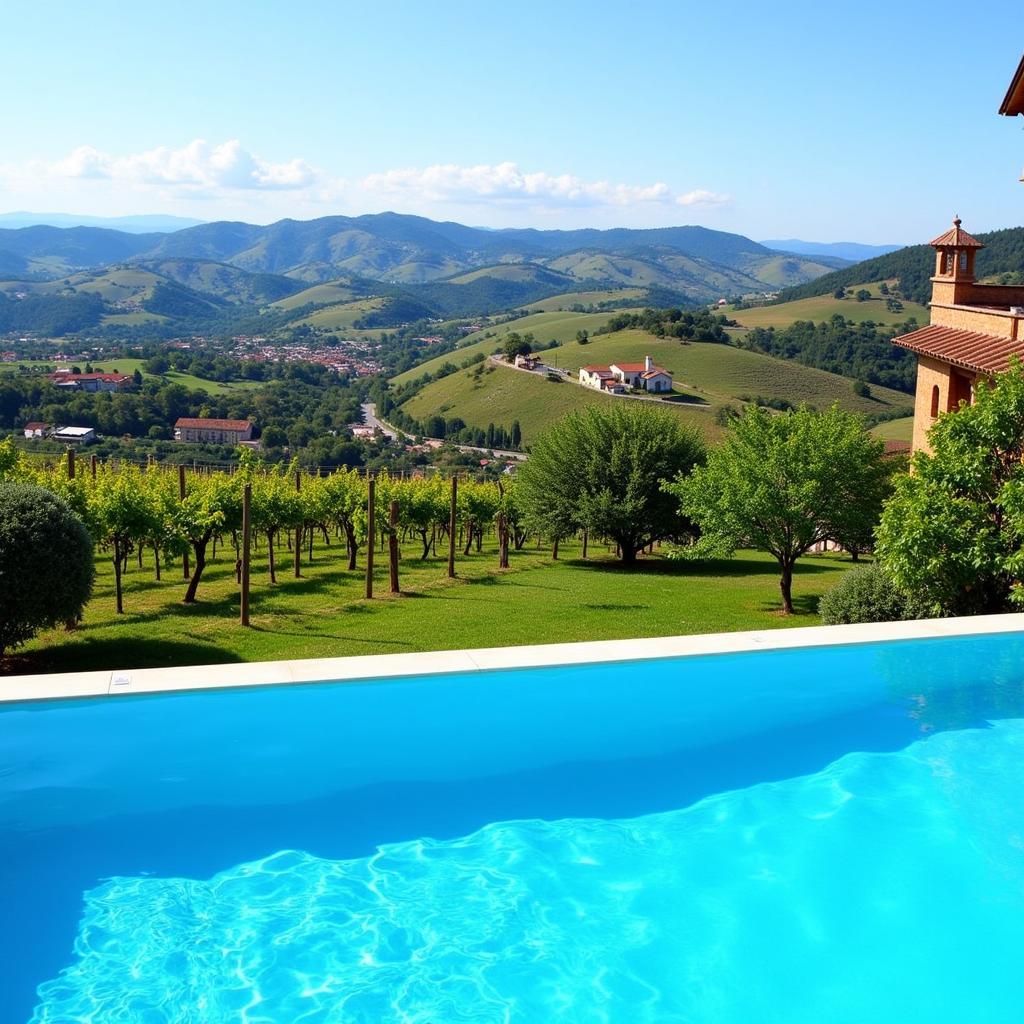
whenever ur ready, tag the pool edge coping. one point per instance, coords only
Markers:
(367, 667)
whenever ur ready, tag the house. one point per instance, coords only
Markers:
(975, 331)
(645, 375)
(90, 381)
(212, 431)
(74, 435)
(527, 362)
(35, 429)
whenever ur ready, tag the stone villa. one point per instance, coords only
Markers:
(213, 431)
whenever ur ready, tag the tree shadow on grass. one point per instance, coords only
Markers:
(121, 653)
(803, 604)
(712, 567)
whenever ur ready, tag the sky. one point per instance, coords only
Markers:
(791, 120)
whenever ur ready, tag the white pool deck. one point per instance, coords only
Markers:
(58, 686)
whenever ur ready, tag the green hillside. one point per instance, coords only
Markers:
(722, 373)
(568, 300)
(716, 374)
(557, 325)
(824, 307)
(343, 315)
(895, 430)
(318, 295)
(501, 395)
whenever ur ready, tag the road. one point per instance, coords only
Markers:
(371, 419)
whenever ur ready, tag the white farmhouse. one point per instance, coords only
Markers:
(616, 378)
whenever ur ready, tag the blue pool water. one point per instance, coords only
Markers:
(796, 836)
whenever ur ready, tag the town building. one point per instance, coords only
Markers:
(90, 381)
(36, 429)
(74, 435)
(212, 431)
(975, 331)
(617, 377)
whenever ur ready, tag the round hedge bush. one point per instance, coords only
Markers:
(868, 594)
(46, 567)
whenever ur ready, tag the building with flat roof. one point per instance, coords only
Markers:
(74, 435)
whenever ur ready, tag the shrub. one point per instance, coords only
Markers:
(46, 567)
(868, 594)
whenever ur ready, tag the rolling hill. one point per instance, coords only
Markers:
(913, 267)
(408, 251)
(707, 375)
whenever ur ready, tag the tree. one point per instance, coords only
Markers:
(883, 288)
(46, 567)
(602, 470)
(839, 293)
(863, 295)
(212, 504)
(782, 484)
(517, 434)
(953, 531)
(517, 346)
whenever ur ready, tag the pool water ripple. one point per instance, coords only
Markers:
(885, 887)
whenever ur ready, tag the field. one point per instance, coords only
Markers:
(131, 365)
(565, 302)
(824, 307)
(895, 430)
(325, 615)
(502, 395)
(715, 374)
(342, 316)
(319, 295)
(559, 326)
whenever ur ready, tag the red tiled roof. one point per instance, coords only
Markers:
(894, 447)
(984, 353)
(654, 373)
(202, 424)
(1014, 101)
(631, 367)
(35, 426)
(598, 369)
(956, 238)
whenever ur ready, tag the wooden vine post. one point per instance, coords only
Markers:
(246, 551)
(393, 546)
(502, 541)
(298, 530)
(186, 573)
(371, 527)
(92, 465)
(452, 522)
(71, 462)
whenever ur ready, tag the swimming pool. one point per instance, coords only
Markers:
(826, 833)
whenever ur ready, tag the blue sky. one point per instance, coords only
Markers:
(874, 123)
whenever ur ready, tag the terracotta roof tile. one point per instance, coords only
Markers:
(956, 238)
(983, 353)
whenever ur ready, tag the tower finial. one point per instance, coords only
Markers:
(956, 220)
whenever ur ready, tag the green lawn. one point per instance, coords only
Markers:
(896, 430)
(824, 307)
(325, 615)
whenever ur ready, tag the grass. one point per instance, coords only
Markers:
(502, 395)
(319, 295)
(824, 307)
(324, 614)
(126, 365)
(895, 430)
(341, 316)
(553, 303)
(717, 374)
(560, 326)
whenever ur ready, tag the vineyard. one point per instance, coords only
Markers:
(333, 573)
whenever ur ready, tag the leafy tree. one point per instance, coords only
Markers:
(883, 288)
(782, 484)
(953, 531)
(517, 346)
(602, 470)
(517, 434)
(863, 295)
(46, 567)
(212, 505)
(839, 293)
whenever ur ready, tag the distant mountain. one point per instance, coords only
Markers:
(418, 266)
(853, 252)
(913, 266)
(138, 224)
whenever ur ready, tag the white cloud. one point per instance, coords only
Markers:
(198, 166)
(506, 183)
(703, 197)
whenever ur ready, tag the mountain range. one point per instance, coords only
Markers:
(853, 251)
(417, 267)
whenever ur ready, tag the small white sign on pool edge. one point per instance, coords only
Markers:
(120, 681)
